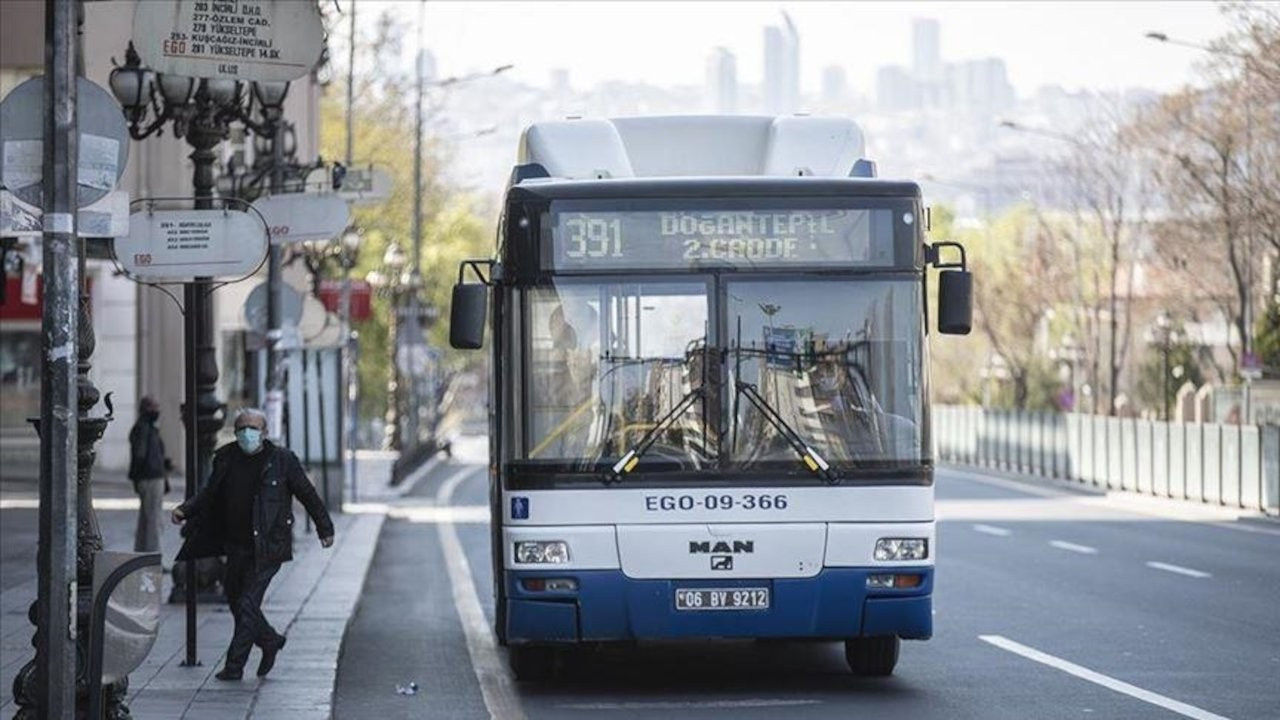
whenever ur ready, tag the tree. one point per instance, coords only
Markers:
(1218, 148)
(383, 123)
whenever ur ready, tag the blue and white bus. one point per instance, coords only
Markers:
(709, 407)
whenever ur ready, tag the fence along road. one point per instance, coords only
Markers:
(1234, 466)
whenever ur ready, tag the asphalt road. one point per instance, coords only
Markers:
(1049, 604)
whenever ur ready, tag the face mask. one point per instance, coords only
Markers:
(151, 415)
(250, 439)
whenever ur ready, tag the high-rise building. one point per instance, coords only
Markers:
(926, 54)
(835, 85)
(896, 89)
(722, 82)
(926, 61)
(781, 68)
(982, 84)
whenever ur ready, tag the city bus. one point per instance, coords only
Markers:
(709, 397)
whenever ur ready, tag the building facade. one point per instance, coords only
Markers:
(138, 329)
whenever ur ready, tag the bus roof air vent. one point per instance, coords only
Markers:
(695, 146)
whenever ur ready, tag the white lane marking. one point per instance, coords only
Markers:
(496, 684)
(1072, 547)
(992, 530)
(98, 504)
(468, 514)
(1178, 569)
(1098, 678)
(690, 705)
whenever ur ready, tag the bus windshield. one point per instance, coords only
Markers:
(718, 378)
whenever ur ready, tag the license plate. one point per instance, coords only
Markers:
(743, 598)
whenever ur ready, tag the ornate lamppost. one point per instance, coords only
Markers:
(1164, 336)
(395, 283)
(202, 112)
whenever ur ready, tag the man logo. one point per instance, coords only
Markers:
(737, 547)
(721, 562)
(519, 508)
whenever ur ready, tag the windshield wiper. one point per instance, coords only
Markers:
(812, 460)
(628, 461)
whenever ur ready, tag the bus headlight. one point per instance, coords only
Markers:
(893, 549)
(542, 552)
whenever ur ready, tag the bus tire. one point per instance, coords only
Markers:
(872, 656)
(535, 663)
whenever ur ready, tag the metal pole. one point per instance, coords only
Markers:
(275, 369)
(1249, 193)
(1166, 379)
(189, 335)
(350, 409)
(351, 75)
(203, 408)
(417, 153)
(56, 604)
(324, 428)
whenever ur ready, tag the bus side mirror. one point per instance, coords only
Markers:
(955, 302)
(467, 315)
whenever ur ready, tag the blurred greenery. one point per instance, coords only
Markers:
(453, 228)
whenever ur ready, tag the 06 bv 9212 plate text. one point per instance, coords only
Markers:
(743, 598)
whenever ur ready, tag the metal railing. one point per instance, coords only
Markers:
(1226, 465)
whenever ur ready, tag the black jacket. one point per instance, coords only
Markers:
(146, 452)
(282, 480)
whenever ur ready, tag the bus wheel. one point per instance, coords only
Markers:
(872, 656)
(531, 662)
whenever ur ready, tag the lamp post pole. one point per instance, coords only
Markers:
(344, 306)
(275, 369)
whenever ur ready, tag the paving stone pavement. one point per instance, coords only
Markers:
(311, 600)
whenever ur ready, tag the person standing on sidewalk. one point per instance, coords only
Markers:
(245, 512)
(148, 469)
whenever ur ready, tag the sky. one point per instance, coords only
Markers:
(1077, 44)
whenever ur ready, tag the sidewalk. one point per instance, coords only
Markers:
(311, 600)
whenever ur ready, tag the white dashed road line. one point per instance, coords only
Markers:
(992, 530)
(1098, 678)
(1072, 547)
(496, 684)
(690, 705)
(1178, 569)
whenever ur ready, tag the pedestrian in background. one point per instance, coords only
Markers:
(245, 512)
(148, 469)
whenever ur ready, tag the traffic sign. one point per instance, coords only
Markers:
(255, 307)
(302, 217)
(251, 40)
(103, 144)
(178, 245)
(365, 186)
(106, 218)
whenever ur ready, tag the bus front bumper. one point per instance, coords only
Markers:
(606, 606)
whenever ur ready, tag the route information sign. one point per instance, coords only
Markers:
(177, 245)
(259, 40)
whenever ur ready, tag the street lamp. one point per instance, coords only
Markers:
(201, 111)
(1164, 335)
(981, 190)
(392, 281)
(1069, 353)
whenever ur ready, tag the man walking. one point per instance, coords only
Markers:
(147, 469)
(245, 511)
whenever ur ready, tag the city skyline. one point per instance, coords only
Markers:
(1040, 42)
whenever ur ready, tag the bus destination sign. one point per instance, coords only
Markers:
(688, 239)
